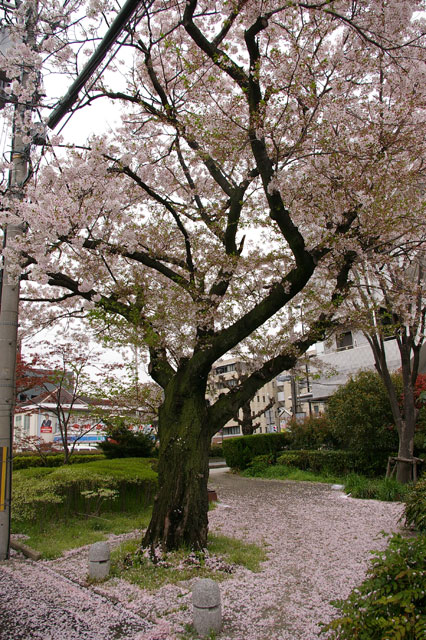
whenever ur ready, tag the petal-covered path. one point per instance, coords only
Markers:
(318, 543)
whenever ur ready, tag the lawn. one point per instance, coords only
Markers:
(67, 507)
(356, 485)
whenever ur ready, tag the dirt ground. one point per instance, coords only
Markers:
(318, 543)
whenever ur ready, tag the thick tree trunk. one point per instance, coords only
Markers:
(179, 515)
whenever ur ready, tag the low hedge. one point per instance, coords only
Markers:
(239, 452)
(333, 462)
(45, 493)
(216, 451)
(55, 460)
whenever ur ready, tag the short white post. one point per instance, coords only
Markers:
(99, 561)
(207, 611)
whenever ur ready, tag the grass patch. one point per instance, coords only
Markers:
(51, 538)
(386, 489)
(358, 486)
(237, 552)
(285, 472)
(222, 557)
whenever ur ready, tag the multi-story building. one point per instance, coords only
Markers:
(263, 407)
(332, 364)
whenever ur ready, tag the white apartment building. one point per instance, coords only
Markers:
(226, 374)
(332, 364)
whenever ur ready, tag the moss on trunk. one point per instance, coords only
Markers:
(179, 515)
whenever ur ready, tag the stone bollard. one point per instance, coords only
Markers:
(99, 560)
(207, 614)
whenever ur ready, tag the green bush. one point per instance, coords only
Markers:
(216, 451)
(361, 419)
(259, 464)
(420, 441)
(385, 489)
(239, 452)
(55, 460)
(313, 432)
(391, 602)
(124, 443)
(333, 462)
(46, 493)
(415, 507)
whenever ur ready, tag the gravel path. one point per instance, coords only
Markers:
(318, 543)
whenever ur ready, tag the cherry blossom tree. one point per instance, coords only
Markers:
(70, 391)
(223, 197)
(391, 304)
(388, 176)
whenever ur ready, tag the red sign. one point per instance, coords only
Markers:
(45, 429)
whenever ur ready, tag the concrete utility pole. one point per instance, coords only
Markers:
(8, 345)
(9, 304)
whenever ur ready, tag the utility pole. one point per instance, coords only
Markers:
(9, 302)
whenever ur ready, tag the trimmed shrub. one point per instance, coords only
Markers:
(46, 493)
(415, 507)
(333, 462)
(239, 452)
(56, 460)
(391, 602)
(259, 464)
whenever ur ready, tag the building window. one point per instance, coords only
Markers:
(344, 341)
(258, 398)
(316, 409)
(269, 415)
(263, 399)
(227, 431)
(226, 368)
(26, 424)
(18, 421)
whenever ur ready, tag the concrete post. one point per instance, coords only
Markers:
(207, 611)
(99, 561)
(9, 304)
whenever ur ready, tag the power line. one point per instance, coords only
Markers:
(66, 103)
